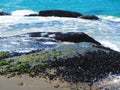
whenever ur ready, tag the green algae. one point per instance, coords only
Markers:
(32, 58)
(23, 64)
(3, 63)
(26, 59)
(56, 53)
(4, 55)
(23, 68)
(32, 62)
(42, 56)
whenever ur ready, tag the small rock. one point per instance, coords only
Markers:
(89, 17)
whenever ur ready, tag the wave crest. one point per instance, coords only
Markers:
(23, 12)
(111, 18)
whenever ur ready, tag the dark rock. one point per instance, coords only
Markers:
(75, 37)
(89, 17)
(35, 34)
(62, 13)
(3, 13)
(59, 13)
(90, 67)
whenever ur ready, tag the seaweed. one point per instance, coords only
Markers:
(4, 55)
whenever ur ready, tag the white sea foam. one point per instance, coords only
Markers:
(112, 82)
(106, 30)
(23, 12)
(112, 18)
(111, 45)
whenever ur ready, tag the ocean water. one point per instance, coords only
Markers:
(99, 7)
(106, 30)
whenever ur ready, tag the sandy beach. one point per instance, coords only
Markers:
(28, 83)
(25, 83)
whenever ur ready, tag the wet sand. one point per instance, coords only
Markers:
(26, 83)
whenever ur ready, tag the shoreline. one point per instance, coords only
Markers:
(24, 82)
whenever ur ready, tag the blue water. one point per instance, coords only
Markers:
(96, 7)
(106, 30)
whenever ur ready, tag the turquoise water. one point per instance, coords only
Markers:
(96, 7)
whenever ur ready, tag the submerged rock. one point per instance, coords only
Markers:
(25, 44)
(59, 13)
(3, 13)
(36, 41)
(89, 17)
(32, 15)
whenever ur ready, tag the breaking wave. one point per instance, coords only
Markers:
(106, 30)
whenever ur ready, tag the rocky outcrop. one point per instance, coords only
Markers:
(74, 37)
(59, 13)
(74, 63)
(89, 17)
(85, 64)
(3, 13)
(85, 60)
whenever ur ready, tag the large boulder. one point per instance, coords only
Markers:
(59, 13)
(75, 37)
(3, 13)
